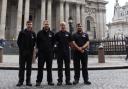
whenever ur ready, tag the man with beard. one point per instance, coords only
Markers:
(80, 53)
(45, 44)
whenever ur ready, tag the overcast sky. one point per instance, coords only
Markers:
(110, 8)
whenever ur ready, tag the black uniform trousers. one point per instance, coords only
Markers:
(83, 58)
(63, 57)
(42, 58)
(25, 61)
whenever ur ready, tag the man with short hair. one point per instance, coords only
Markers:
(45, 44)
(80, 54)
(26, 42)
(63, 39)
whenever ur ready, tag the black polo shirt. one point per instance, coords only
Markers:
(80, 38)
(63, 39)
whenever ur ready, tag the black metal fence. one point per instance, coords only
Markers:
(111, 46)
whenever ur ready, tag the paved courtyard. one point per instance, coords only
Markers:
(101, 79)
(110, 61)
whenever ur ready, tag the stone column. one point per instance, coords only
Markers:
(101, 20)
(3, 18)
(61, 11)
(83, 17)
(67, 15)
(104, 22)
(26, 12)
(101, 24)
(19, 17)
(98, 35)
(78, 13)
(43, 12)
(49, 12)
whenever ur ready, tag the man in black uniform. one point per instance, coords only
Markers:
(45, 44)
(26, 42)
(63, 39)
(126, 45)
(81, 42)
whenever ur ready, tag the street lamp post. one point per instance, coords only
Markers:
(70, 21)
(94, 35)
(94, 32)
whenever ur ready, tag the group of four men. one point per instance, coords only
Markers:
(45, 41)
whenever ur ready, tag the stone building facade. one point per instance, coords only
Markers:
(15, 13)
(119, 26)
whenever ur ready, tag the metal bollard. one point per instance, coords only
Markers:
(1, 54)
(101, 58)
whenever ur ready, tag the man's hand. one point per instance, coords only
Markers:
(80, 49)
(86, 45)
(75, 46)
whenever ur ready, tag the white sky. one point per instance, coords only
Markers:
(110, 8)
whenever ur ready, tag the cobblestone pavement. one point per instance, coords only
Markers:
(101, 79)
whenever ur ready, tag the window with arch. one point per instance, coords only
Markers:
(89, 23)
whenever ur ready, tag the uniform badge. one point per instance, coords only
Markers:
(66, 35)
(50, 35)
(83, 35)
(32, 37)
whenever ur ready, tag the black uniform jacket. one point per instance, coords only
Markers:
(45, 41)
(26, 40)
(62, 40)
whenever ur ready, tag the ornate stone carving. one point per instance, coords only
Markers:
(90, 10)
